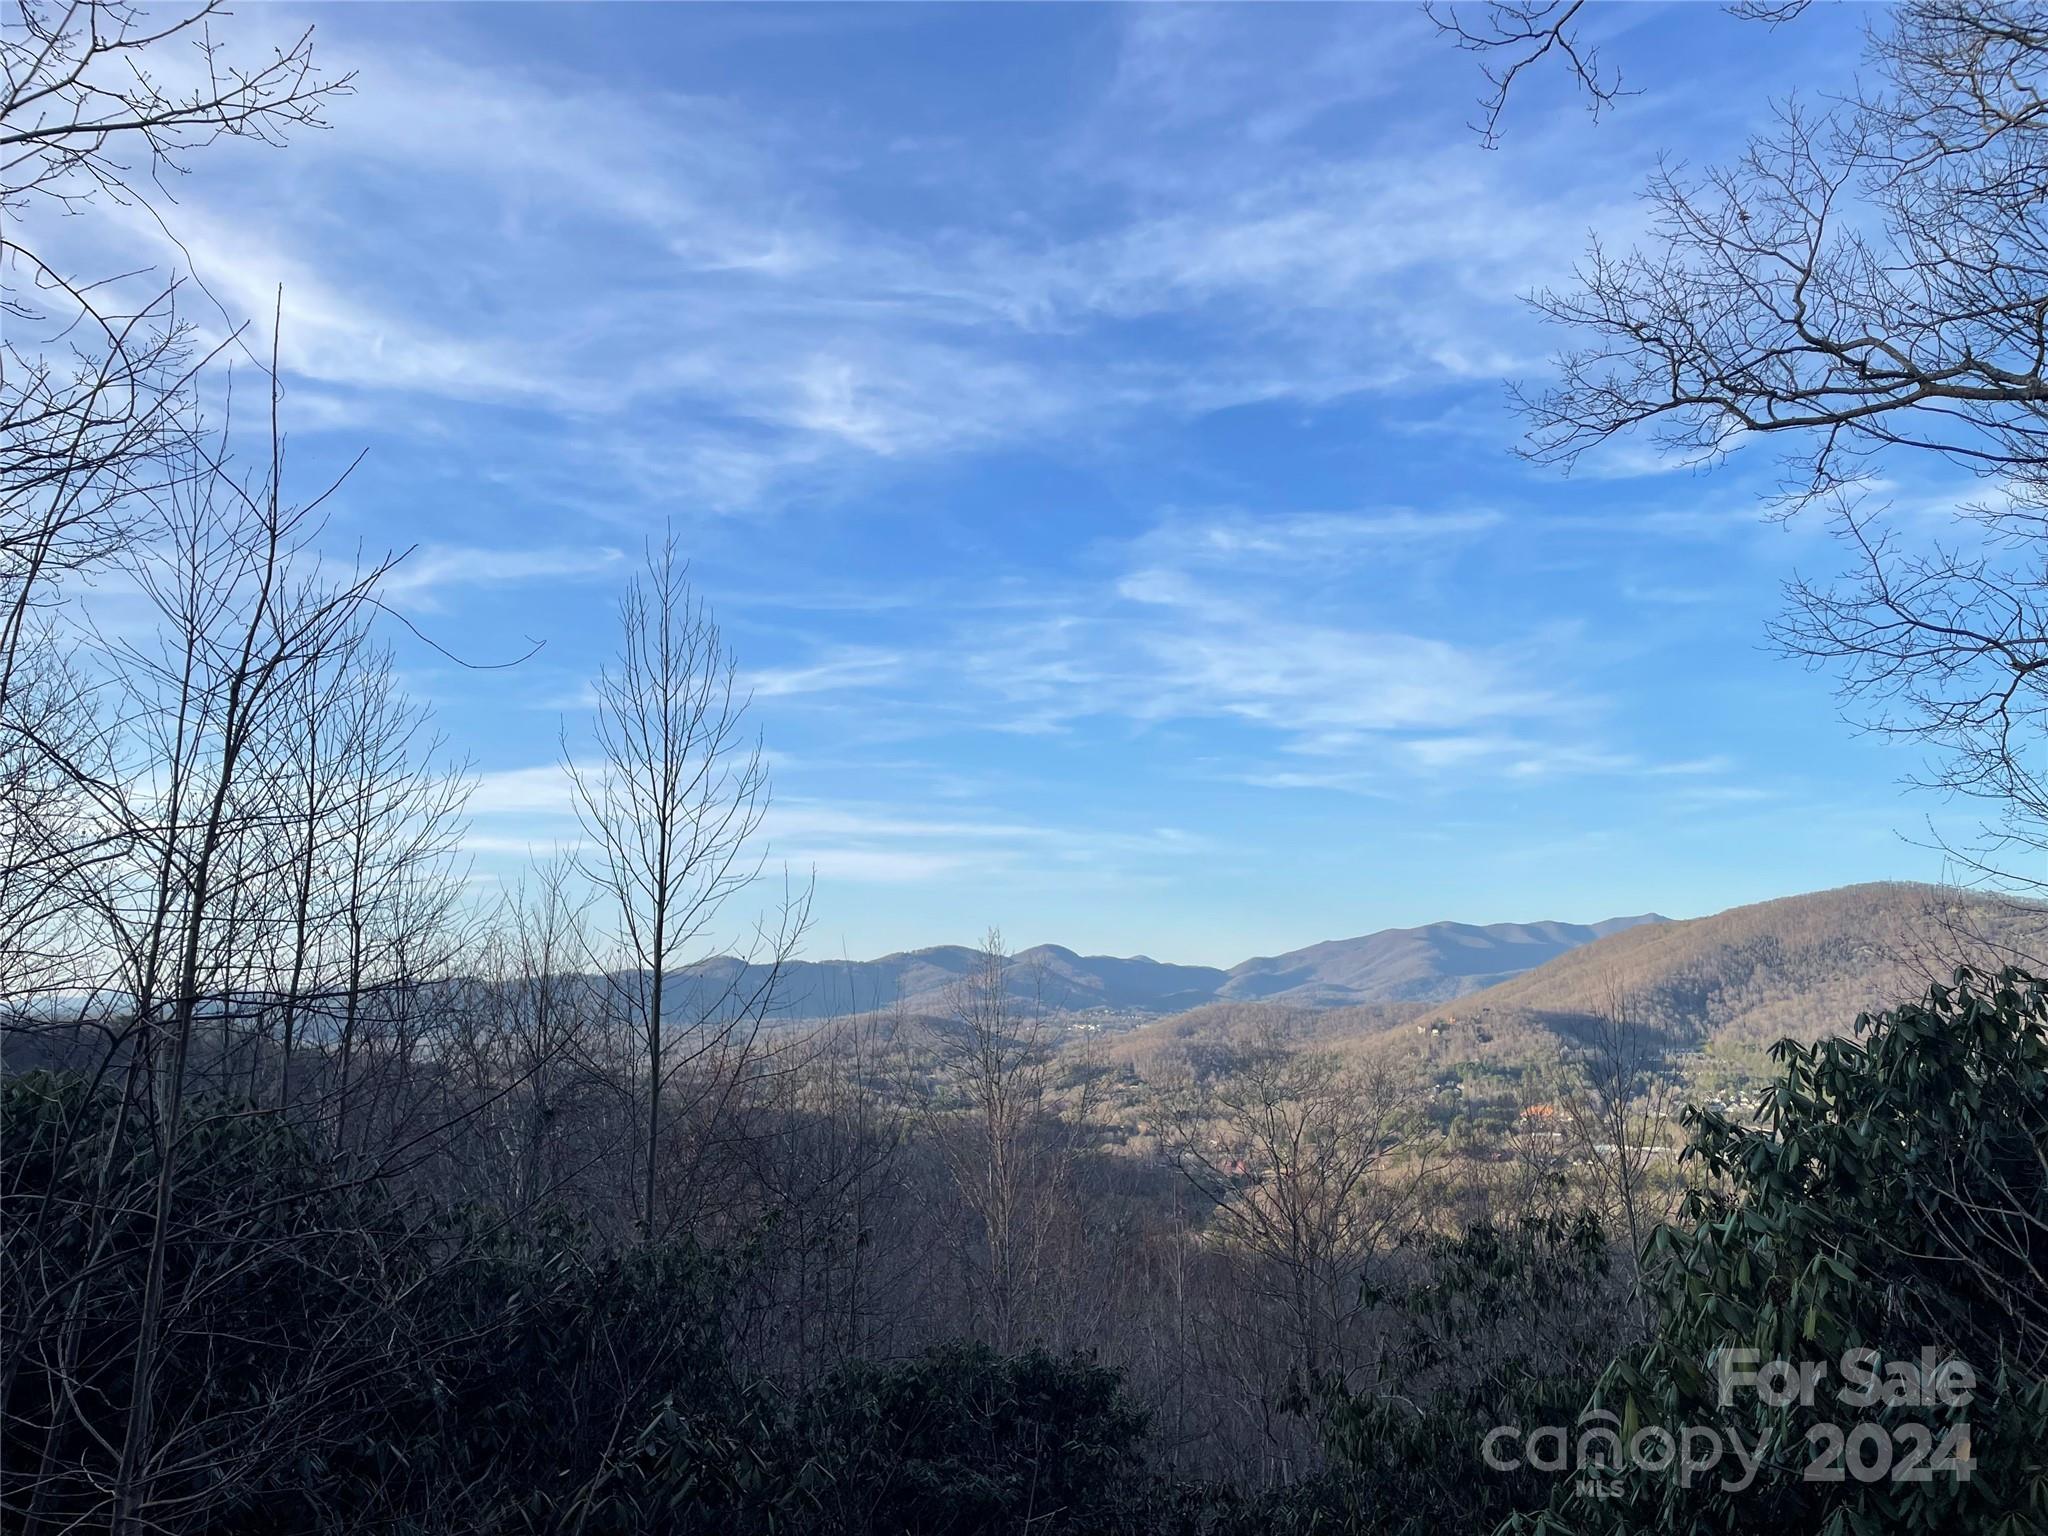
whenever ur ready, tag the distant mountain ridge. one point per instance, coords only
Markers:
(1436, 962)
(1433, 963)
(1713, 992)
(1800, 966)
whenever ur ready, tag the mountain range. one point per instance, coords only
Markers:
(1433, 963)
(1711, 992)
(1716, 992)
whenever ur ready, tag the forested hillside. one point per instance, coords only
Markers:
(1703, 1001)
(1730, 986)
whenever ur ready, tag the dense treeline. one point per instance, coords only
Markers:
(339, 1352)
(340, 1355)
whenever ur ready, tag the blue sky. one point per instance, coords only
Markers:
(1088, 425)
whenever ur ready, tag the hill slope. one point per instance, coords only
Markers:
(1733, 984)
(1716, 992)
(1427, 964)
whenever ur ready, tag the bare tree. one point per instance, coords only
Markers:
(1863, 285)
(96, 434)
(390, 844)
(1312, 1169)
(94, 367)
(1008, 1146)
(1513, 37)
(56, 752)
(1945, 644)
(838, 1256)
(670, 809)
(1620, 1107)
(540, 1021)
(177, 836)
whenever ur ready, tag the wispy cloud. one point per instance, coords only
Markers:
(423, 575)
(530, 811)
(540, 791)
(1392, 766)
(1307, 541)
(1093, 454)
(849, 667)
(1184, 632)
(779, 335)
(865, 844)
